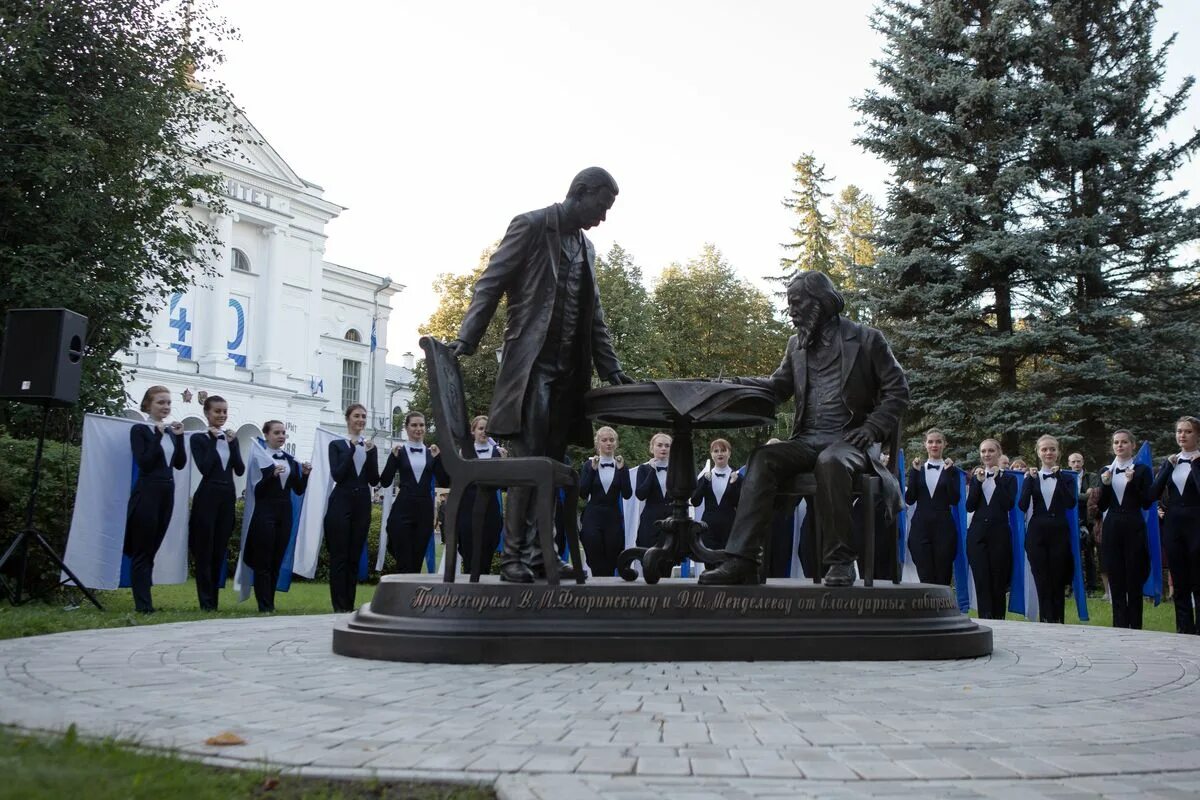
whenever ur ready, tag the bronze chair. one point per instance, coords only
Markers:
(544, 475)
(867, 488)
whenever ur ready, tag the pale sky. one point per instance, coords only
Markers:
(437, 122)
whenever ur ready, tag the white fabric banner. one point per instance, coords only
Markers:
(312, 512)
(256, 459)
(97, 535)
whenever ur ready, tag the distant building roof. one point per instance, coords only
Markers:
(396, 374)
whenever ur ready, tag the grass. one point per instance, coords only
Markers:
(177, 603)
(174, 603)
(49, 768)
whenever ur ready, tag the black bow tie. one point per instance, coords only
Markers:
(220, 436)
(1184, 460)
(607, 466)
(1047, 475)
(661, 469)
(416, 449)
(987, 475)
(933, 466)
(482, 450)
(720, 474)
(279, 456)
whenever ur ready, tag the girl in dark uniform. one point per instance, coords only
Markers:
(1179, 477)
(158, 450)
(1124, 495)
(416, 470)
(218, 458)
(493, 520)
(719, 489)
(1048, 536)
(651, 489)
(934, 487)
(271, 524)
(991, 495)
(603, 483)
(354, 467)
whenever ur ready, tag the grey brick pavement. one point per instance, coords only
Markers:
(1055, 712)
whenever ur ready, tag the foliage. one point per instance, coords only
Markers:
(105, 134)
(454, 291)
(812, 245)
(55, 501)
(855, 234)
(1029, 239)
(43, 767)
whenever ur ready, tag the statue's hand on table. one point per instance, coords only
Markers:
(460, 348)
(618, 378)
(859, 437)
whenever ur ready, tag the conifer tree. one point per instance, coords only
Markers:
(812, 243)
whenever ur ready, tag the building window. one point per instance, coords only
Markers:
(241, 262)
(351, 374)
(353, 336)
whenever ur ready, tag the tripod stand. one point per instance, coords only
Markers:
(20, 545)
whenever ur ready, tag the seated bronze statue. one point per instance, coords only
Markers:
(850, 392)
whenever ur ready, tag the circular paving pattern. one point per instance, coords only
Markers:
(1055, 710)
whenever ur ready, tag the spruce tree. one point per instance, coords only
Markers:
(812, 243)
(1121, 315)
(855, 236)
(951, 117)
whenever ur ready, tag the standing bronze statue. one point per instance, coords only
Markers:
(850, 392)
(544, 267)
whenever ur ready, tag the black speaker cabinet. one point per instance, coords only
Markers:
(43, 356)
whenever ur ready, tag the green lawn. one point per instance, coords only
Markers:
(175, 603)
(51, 768)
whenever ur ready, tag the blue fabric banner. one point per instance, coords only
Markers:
(1018, 591)
(962, 572)
(1153, 586)
(902, 517)
(1077, 586)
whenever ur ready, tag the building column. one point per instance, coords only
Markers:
(157, 351)
(213, 311)
(268, 367)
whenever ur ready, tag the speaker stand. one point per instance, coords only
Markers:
(20, 545)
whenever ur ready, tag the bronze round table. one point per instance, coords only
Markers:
(684, 405)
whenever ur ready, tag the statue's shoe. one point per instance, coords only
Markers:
(516, 573)
(734, 571)
(840, 575)
(565, 572)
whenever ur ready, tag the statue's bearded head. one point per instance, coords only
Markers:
(812, 300)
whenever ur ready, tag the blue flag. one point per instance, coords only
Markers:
(962, 573)
(1077, 585)
(1153, 585)
(902, 517)
(1019, 589)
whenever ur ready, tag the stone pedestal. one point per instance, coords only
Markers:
(420, 618)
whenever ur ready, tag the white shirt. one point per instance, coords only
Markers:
(1183, 469)
(662, 475)
(1048, 486)
(223, 451)
(1119, 481)
(360, 454)
(720, 481)
(280, 462)
(606, 473)
(167, 444)
(482, 450)
(989, 484)
(932, 476)
(417, 459)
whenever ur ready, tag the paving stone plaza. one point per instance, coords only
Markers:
(1056, 711)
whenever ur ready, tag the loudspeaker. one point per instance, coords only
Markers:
(43, 356)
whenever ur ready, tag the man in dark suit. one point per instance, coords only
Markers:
(850, 392)
(544, 267)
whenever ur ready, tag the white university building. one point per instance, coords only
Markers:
(279, 332)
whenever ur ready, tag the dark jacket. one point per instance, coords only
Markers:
(1138, 496)
(208, 460)
(591, 488)
(146, 443)
(1062, 499)
(873, 387)
(412, 486)
(524, 270)
(994, 514)
(1163, 483)
(341, 466)
(939, 505)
